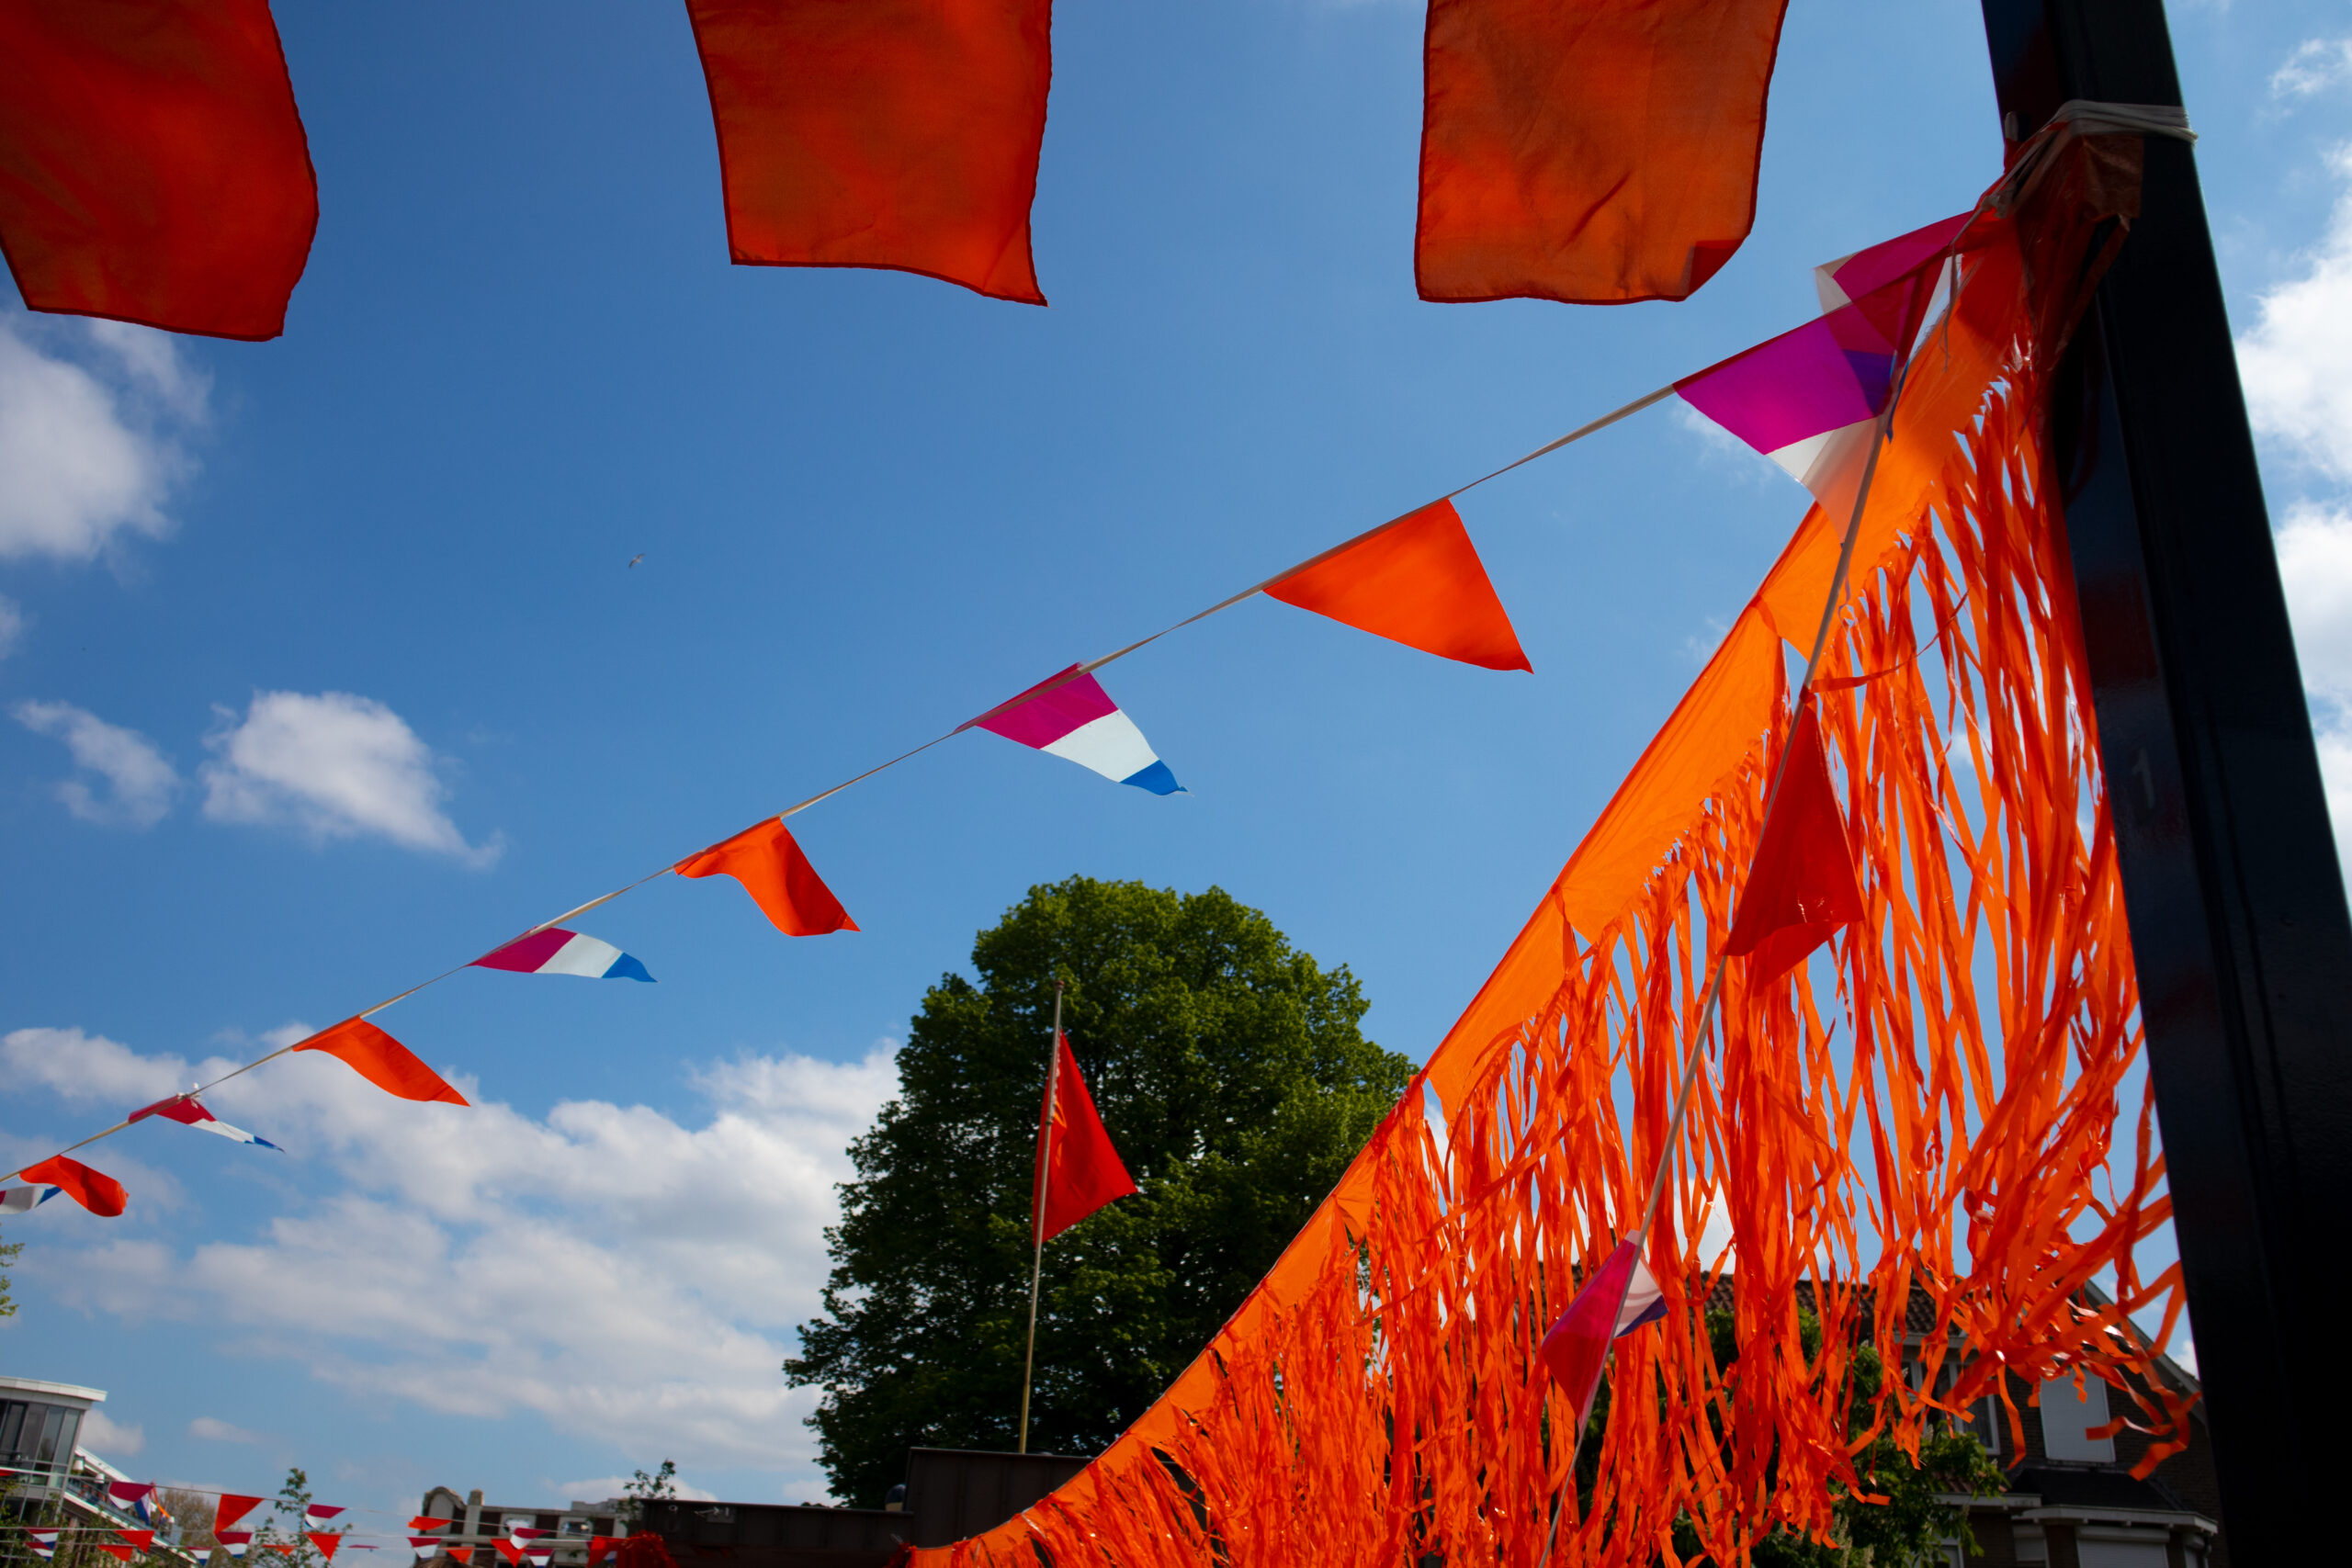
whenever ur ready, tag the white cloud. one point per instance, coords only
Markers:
(87, 447)
(214, 1430)
(110, 1439)
(2315, 66)
(2297, 358)
(2315, 562)
(610, 1268)
(335, 766)
(140, 781)
(12, 625)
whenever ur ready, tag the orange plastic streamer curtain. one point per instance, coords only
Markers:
(1941, 1105)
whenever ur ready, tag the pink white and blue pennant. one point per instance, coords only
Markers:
(559, 951)
(43, 1542)
(24, 1200)
(1070, 715)
(1810, 399)
(188, 1111)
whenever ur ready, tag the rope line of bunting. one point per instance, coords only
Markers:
(1810, 399)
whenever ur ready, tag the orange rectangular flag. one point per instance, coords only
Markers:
(152, 166)
(1595, 152)
(767, 861)
(1077, 1168)
(885, 133)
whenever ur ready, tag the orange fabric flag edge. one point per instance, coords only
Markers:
(770, 864)
(1595, 154)
(93, 1189)
(1417, 581)
(1801, 888)
(1084, 1171)
(897, 134)
(154, 167)
(383, 1061)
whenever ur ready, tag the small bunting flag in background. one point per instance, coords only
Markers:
(558, 951)
(1802, 887)
(427, 1522)
(1071, 716)
(511, 1551)
(462, 1553)
(1619, 1298)
(237, 1542)
(325, 1540)
(115, 1549)
(43, 1542)
(1417, 581)
(23, 1200)
(317, 1513)
(185, 1110)
(139, 1541)
(383, 1061)
(129, 1495)
(93, 1189)
(233, 1506)
(767, 861)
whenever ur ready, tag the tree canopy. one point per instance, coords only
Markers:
(1231, 1072)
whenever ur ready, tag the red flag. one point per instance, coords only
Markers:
(234, 1505)
(1078, 1170)
(886, 133)
(511, 1551)
(1619, 1298)
(152, 166)
(462, 1553)
(383, 1061)
(93, 1189)
(427, 1522)
(325, 1540)
(767, 861)
(1802, 886)
(140, 1541)
(124, 1553)
(1597, 152)
(1417, 581)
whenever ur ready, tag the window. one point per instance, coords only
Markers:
(2068, 1414)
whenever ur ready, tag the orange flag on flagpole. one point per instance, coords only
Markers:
(1078, 1169)
(1417, 581)
(768, 862)
(383, 1061)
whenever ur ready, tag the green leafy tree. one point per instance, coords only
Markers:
(1231, 1072)
(9, 1252)
(293, 1500)
(660, 1486)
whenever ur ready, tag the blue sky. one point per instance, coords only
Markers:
(326, 671)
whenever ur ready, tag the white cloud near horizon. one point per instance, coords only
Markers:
(108, 1439)
(610, 1268)
(140, 781)
(88, 442)
(332, 765)
(2316, 65)
(212, 1429)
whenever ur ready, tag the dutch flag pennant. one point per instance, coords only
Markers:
(185, 1110)
(1070, 715)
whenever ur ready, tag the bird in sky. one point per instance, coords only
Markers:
(636, 558)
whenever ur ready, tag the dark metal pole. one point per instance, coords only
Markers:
(2235, 895)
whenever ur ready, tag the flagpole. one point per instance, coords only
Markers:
(1037, 1213)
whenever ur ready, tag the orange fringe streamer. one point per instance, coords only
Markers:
(1377, 1399)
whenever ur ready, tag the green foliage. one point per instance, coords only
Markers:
(1903, 1529)
(293, 1498)
(1231, 1072)
(661, 1485)
(8, 1255)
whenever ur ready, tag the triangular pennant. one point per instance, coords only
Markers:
(768, 862)
(383, 1061)
(325, 1540)
(1617, 1300)
(1417, 581)
(1070, 715)
(234, 1505)
(93, 1189)
(1801, 886)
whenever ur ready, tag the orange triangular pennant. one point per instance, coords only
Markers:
(1801, 887)
(1417, 581)
(767, 861)
(383, 1061)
